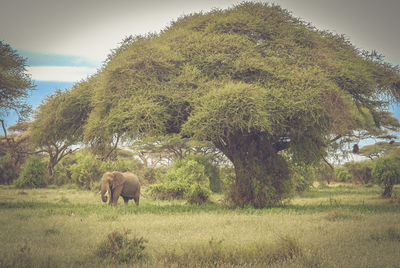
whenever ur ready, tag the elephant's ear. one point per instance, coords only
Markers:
(107, 178)
(118, 178)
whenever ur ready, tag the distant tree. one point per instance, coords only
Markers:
(379, 149)
(58, 125)
(254, 81)
(387, 173)
(14, 83)
(15, 142)
(360, 172)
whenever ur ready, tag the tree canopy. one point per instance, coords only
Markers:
(14, 82)
(259, 84)
(59, 122)
(379, 149)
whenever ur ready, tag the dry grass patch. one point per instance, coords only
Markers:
(217, 254)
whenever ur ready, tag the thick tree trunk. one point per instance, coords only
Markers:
(50, 167)
(262, 175)
(387, 193)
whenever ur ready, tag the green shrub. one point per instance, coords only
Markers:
(86, 171)
(303, 176)
(62, 171)
(149, 175)
(169, 190)
(360, 172)
(32, 174)
(386, 172)
(210, 170)
(119, 165)
(119, 248)
(324, 173)
(185, 179)
(342, 174)
(8, 171)
(61, 174)
(197, 194)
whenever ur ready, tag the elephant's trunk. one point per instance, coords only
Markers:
(104, 189)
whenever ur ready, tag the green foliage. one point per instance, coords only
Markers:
(14, 82)
(342, 174)
(360, 172)
(324, 173)
(60, 119)
(119, 248)
(87, 170)
(303, 176)
(32, 174)
(387, 173)
(59, 122)
(187, 179)
(8, 171)
(169, 190)
(379, 149)
(62, 171)
(149, 175)
(211, 171)
(197, 194)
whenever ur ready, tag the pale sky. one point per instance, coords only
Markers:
(66, 40)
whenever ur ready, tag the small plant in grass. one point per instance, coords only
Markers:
(390, 234)
(119, 248)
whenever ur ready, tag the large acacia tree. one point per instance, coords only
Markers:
(261, 85)
(58, 123)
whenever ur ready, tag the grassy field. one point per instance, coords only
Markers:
(336, 226)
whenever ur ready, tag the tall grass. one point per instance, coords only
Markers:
(344, 226)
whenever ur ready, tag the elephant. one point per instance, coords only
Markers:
(118, 184)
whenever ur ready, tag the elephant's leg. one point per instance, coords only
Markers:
(136, 198)
(110, 202)
(126, 199)
(116, 193)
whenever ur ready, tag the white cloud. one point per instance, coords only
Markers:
(60, 73)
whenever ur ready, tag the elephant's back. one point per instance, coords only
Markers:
(131, 177)
(132, 181)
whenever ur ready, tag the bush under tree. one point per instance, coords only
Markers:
(386, 172)
(360, 172)
(186, 179)
(87, 170)
(342, 174)
(8, 171)
(32, 174)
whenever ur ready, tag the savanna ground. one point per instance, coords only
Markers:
(335, 226)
